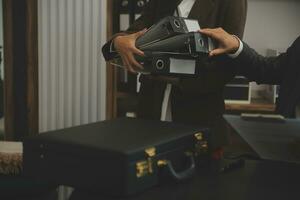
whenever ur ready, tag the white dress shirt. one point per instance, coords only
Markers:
(239, 51)
(185, 7)
(183, 10)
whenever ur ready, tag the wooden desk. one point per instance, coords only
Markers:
(256, 105)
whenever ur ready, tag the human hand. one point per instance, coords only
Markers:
(227, 44)
(125, 46)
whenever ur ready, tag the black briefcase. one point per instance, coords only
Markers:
(118, 157)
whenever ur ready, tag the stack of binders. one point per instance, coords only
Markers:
(171, 46)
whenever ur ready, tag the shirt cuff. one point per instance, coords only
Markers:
(239, 51)
(112, 47)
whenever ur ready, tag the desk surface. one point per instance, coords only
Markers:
(256, 105)
(274, 141)
(261, 180)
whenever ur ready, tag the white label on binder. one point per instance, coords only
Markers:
(181, 66)
(124, 22)
(137, 16)
(192, 25)
(211, 45)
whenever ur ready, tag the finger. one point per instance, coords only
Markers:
(131, 66)
(217, 52)
(127, 65)
(124, 61)
(140, 33)
(206, 31)
(211, 33)
(137, 51)
(132, 60)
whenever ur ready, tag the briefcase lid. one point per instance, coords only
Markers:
(124, 136)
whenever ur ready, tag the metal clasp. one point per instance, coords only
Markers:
(145, 167)
(201, 145)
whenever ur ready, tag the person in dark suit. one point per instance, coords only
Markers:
(283, 70)
(192, 100)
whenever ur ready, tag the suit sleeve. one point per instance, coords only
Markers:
(108, 50)
(145, 21)
(261, 69)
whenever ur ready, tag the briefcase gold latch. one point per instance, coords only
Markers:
(201, 145)
(145, 167)
(199, 136)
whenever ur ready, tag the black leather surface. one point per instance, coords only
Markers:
(263, 180)
(124, 135)
(103, 156)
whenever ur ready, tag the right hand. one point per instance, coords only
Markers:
(228, 44)
(125, 46)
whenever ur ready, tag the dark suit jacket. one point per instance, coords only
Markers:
(283, 70)
(194, 100)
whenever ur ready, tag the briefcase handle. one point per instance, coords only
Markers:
(183, 175)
